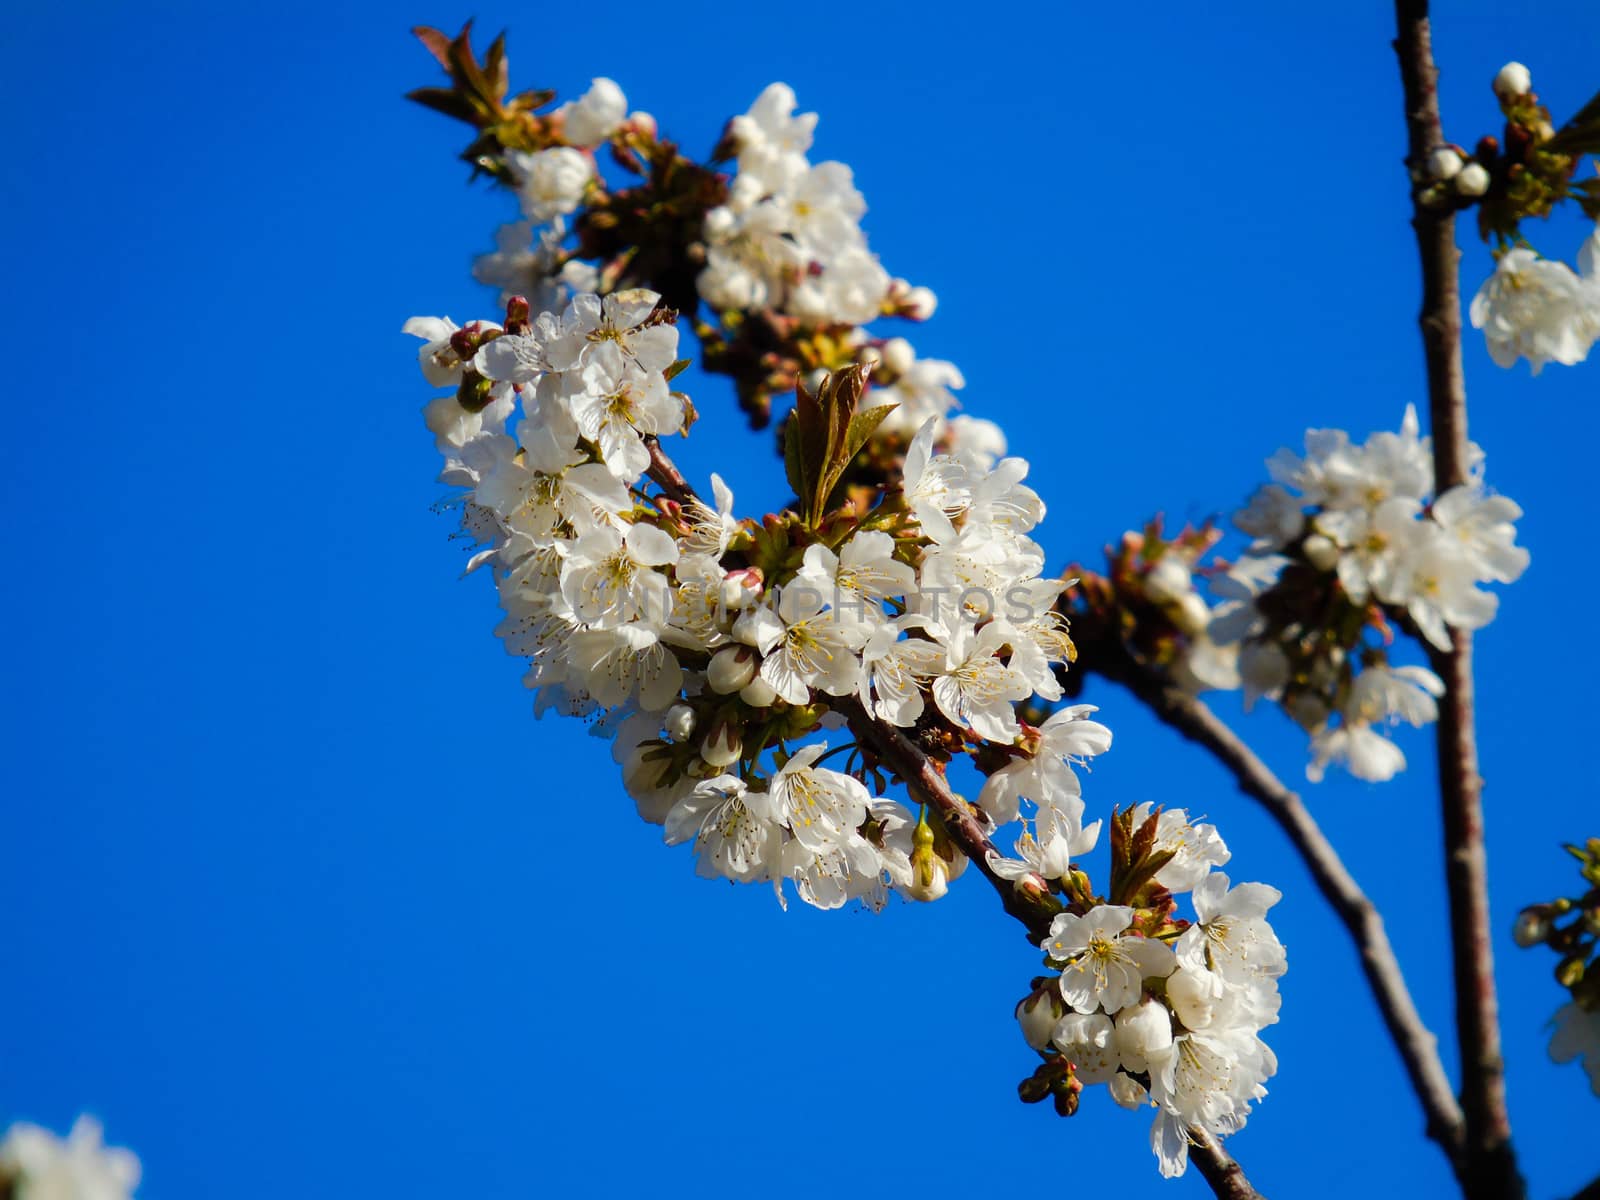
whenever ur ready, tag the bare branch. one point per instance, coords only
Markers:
(666, 475)
(1592, 1192)
(1489, 1168)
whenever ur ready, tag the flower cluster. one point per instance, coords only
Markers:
(1570, 926)
(789, 238)
(702, 642)
(1540, 309)
(35, 1164)
(1165, 1012)
(1348, 540)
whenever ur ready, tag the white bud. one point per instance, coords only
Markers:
(730, 669)
(722, 748)
(738, 590)
(679, 723)
(1193, 996)
(719, 223)
(816, 378)
(920, 303)
(870, 356)
(1192, 616)
(1473, 180)
(758, 693)
(1038, 1013)
(898, 355)
(1444, 163)
(1168, 581)
(1514, 79)
(1321, 552)
(1144, 1030)
(1532, 927)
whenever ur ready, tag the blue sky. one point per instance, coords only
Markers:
(302, 898)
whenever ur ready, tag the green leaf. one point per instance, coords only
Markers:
(1581, 134)
(794, 460)
(676, 369)
(862, 426)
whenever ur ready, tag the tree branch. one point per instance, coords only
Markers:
(1592, 1192)
(925, 780)
(1418, 1047)
(1489, 1162)
(1225, 1176)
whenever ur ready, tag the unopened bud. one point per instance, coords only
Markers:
(1039, 1011)
(722, 747)
(1473, 180)
(730, 669)
(870, 356)
(720, 223)
(1321, 552)
(1143, 1030)
(758, 693)
(518, 313)
(920, 303)
(1569, 973)
(1193, 994)
(740, 588)
(1514, 79)
(1444, 163)
(679, 723)
(1532, 927)
(643, 124)
(898, 355)
(815, 378)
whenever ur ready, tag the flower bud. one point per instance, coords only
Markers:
(1144, 1030)
(644, 124)
(1192, 615)
(930, 876)
(815, 379)
(1532, 927)
(898, 355)
(1444, 163)
(758, 693)
(721, 748)
(679, 723)
(730, 669)
(1514, 79)
(1193, 996)
(1168, 580)
(740, 588)
(920, 303)
(869, 356)
(1473, 180)
(720, 222)
(1039, 1011)
(1321, 552)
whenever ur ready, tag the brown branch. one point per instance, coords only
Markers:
(1489, 1168)
(925, 780)
(1592, 1192)
(1225, 1176)
(1418, 1047)
(666, 474)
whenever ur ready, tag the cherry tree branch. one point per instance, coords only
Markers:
(1592, 1192)
(1418, 1046)
(1489, 1162)
(925, 780)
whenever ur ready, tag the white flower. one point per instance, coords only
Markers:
(1050, 859)
(1536, 309)
(1047, 778)
(41, 1166)
(1196, 847)
(894, 671)
(1486, 528)
(1383, 694)
(1274, 517)
(591, 322)
(1357, 747)
(610, 577)
(618, 404)
(731, 826)
(772, 141)
(441, 366)
(1106, 966)
(613, 665)
(710, 529)
(551, 183)
(1089, 1040)
(820, 807)
(595, 115)
(1437, 584)
(1231, 937)
(817, 647)
(1577, 1036)
(975, 689)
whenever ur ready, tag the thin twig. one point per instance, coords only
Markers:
(1592, 1192)
(666, 475)
(1489, 1162)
